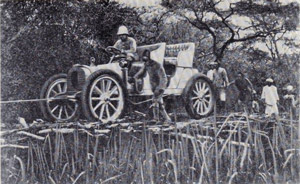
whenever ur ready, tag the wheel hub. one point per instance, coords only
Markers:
(105, 97)
(200, 95)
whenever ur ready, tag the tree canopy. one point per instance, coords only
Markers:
(217, 18)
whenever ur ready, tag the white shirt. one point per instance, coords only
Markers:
(210, 74)
(270, 95)
(218, 76)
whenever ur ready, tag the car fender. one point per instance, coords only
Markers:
(115, 67)
(88, 70)
(184, 76)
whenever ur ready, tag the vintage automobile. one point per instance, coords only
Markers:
(102, 92)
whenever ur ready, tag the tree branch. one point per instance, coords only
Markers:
(204, 26)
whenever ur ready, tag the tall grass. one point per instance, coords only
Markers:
(235, 150)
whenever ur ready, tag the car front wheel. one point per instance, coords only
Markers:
(103, 97)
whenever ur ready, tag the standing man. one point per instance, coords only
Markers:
(158, 80)
(127, 45)
(218, 76)
(212, 69)
(270, 97)
(245, 88)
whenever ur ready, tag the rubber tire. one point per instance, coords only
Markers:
(188, 90)
(43, 104)
(86, 90)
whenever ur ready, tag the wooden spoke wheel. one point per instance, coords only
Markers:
(103, 98)
(57, 108)
(199, 97)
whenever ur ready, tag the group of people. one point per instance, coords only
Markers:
(247, 96)
(218, 75)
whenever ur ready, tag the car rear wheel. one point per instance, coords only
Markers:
(103, 97)
(199, 97)
(54, 109)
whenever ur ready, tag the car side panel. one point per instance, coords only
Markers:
(180, 80)
(185, 76)
(177, 83)
(176, 78)
(182, 75)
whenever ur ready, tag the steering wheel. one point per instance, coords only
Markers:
(113, 50)
(118, 56)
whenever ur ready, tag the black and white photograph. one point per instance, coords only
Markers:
(150, 91)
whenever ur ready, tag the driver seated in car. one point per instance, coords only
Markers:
(126, 44)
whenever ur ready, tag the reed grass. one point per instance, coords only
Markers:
(237, 151)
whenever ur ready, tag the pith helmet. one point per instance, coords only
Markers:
(123, 30)
(269, 80)
(212, 63)
(289, 88)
